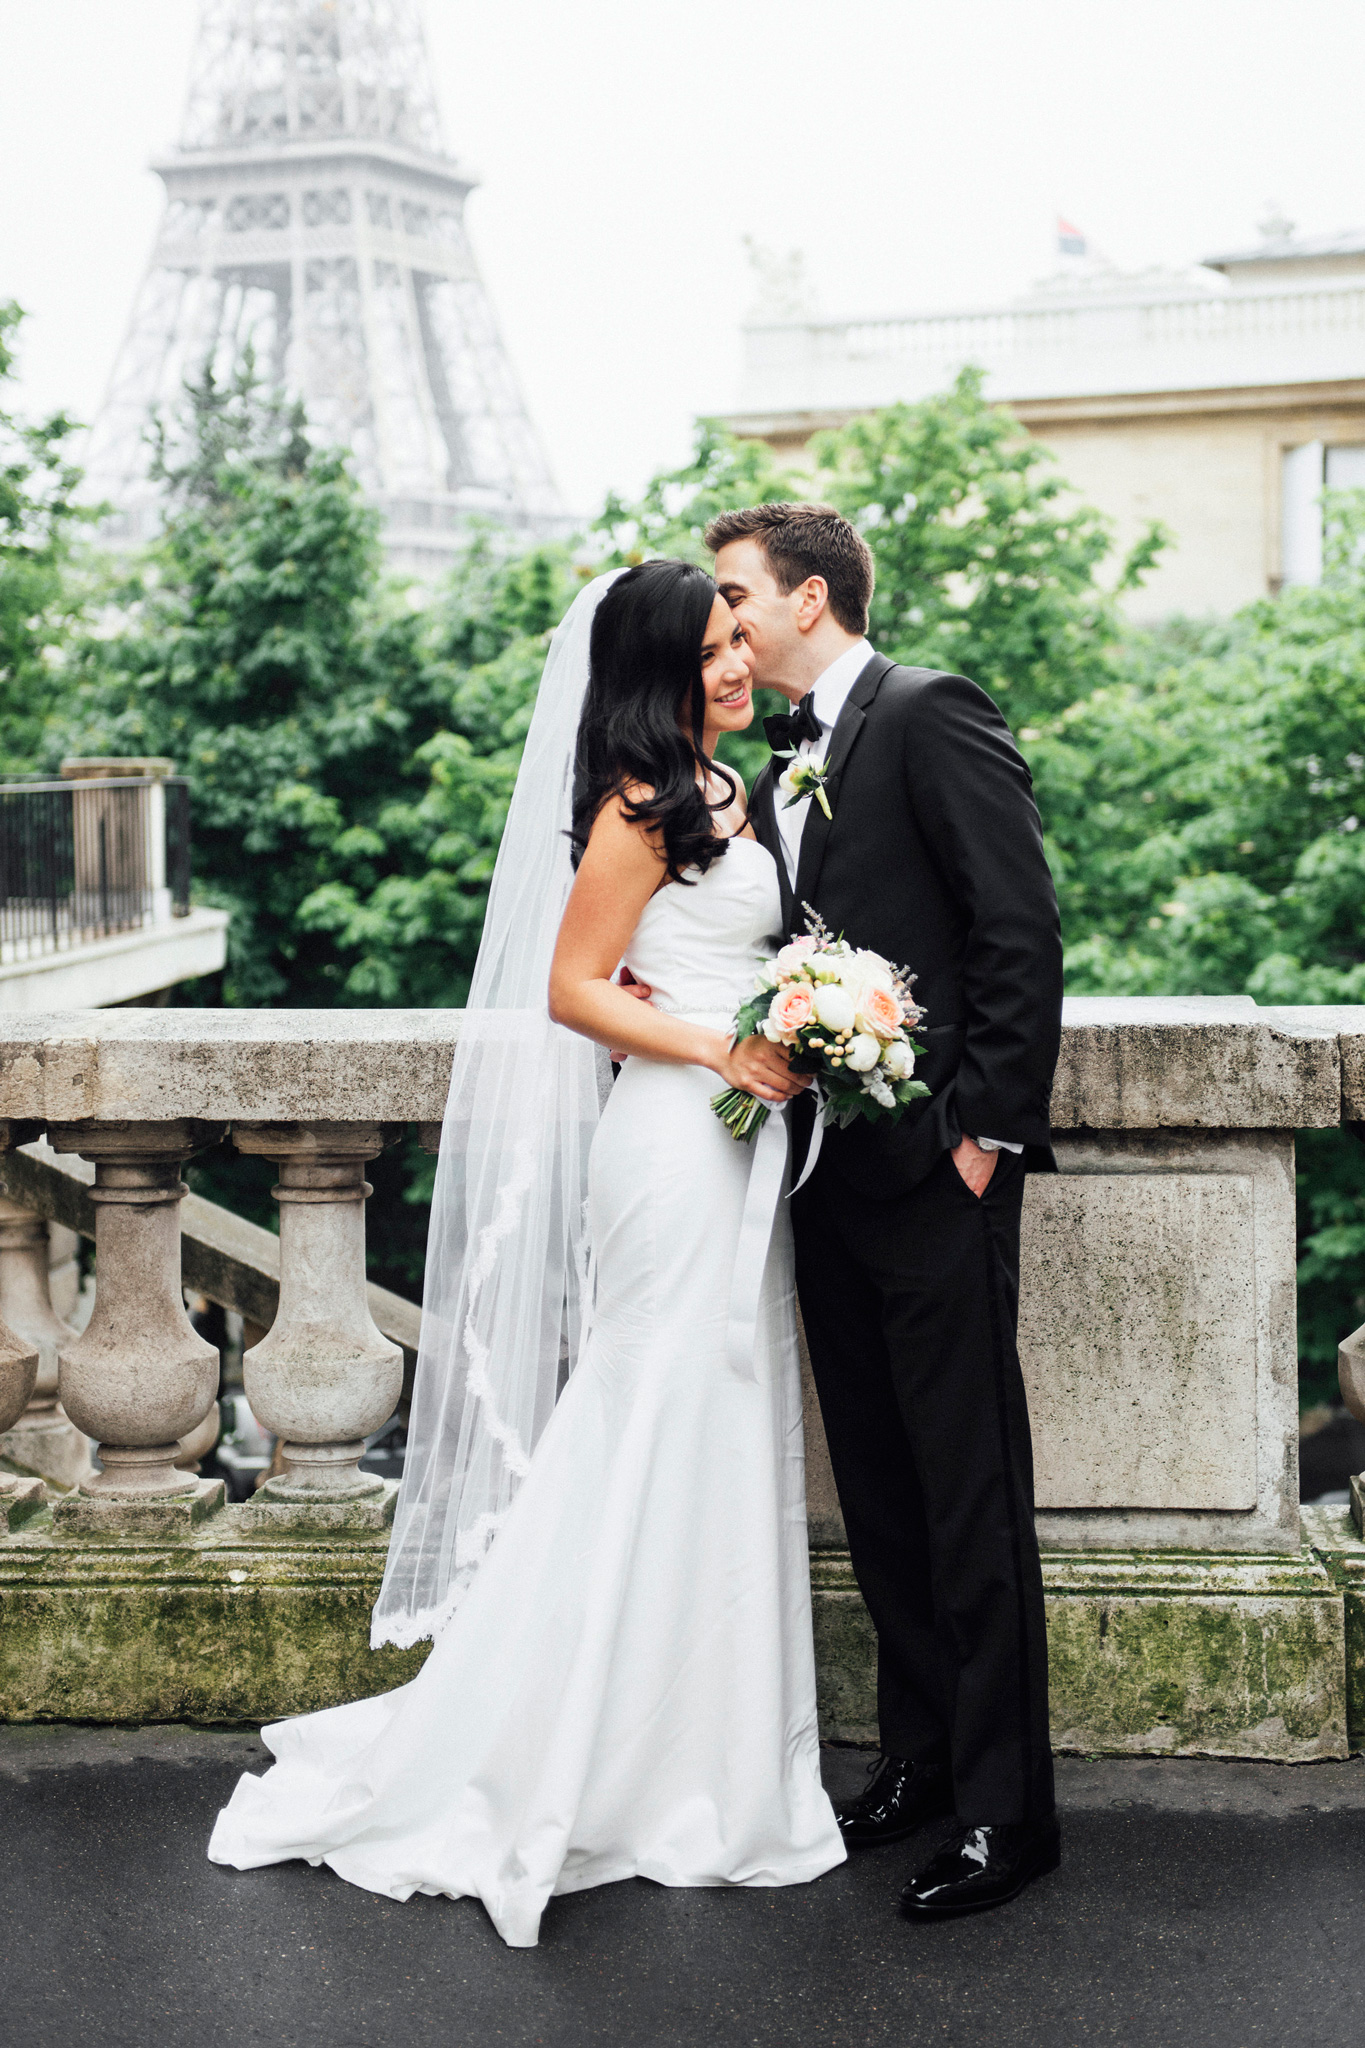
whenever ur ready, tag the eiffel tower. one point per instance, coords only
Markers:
(312, 211)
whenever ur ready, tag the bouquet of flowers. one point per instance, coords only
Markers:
(847, 1015)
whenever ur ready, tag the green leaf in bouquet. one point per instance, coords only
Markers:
(753, 1012)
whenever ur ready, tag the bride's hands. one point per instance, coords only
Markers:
(760, 1068)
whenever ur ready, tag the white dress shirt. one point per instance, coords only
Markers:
(827, 700)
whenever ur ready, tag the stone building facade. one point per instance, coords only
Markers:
(1221, 400)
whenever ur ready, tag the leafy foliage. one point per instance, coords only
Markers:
(351, 756)
(407, 919)
(40, 598)
(1205, 817)
(983, 566)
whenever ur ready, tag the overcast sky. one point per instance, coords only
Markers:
(918, 153)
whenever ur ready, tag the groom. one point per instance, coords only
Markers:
(907, 1236)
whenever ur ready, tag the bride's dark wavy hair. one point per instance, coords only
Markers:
(644, 715)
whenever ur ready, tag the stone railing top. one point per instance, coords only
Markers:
(1139, 1063)
(1199, 1063)
(1349, 1024)
(257, 1066)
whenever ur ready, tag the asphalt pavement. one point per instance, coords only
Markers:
(1212, 1904)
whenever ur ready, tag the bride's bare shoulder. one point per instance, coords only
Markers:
(618, 833)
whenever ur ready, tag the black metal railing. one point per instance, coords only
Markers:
(80, 860)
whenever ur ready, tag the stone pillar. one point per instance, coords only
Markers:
(139, 1378)
(323, 1377)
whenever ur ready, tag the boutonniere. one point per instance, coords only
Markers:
(802, 779)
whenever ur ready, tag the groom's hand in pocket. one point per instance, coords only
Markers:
(975, 1166)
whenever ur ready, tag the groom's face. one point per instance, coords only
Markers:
(768, 616)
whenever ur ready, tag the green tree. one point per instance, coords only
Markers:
(257, 647)
(677, 505)
(1206, 809)
(406, 920)
(1206, 824)
(984, 563)
(986, 566)
(40, 597)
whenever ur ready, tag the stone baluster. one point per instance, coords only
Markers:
(322, 1378)
(18, 1374)
(139, 1378)
(25, 1301)
(20, 1364)
(200, 1442)
(19, 1497)
(43, 1441)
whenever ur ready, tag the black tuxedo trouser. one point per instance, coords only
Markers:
(911, 1312)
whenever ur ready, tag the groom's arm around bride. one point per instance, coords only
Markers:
(927, 849)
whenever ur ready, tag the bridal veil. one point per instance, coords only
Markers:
(506, 1289)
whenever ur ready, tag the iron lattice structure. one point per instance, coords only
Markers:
(312, 210)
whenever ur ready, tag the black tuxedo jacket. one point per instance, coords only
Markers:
(934, 858)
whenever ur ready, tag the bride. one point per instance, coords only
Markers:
(602, 1517)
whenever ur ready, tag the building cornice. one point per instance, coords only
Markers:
(1343, 393)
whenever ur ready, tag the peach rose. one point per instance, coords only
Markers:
(879, 1012)
(792, 1008)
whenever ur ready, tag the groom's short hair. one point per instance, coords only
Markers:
(806, 540)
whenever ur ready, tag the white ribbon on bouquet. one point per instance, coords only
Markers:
(756, 1229)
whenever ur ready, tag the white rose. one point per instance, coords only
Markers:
(786, 781)
(834, 1007)
(872, 971)
(898, 1060)
(863, 1053)
(795, 957)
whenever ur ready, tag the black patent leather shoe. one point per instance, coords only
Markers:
(902, 1796)
(979, 1867)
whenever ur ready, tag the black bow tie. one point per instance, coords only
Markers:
(785, 730)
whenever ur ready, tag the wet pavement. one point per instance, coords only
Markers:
(1217, 1904)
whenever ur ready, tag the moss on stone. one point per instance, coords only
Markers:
(209, 1632)
(1150, 1653)
(1198, 1675)
(1336, 1541)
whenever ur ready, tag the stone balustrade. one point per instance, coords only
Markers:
(1187, 1610)
(319, 1094)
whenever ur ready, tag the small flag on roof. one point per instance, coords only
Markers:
(1070, 240)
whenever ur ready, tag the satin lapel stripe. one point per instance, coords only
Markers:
(817, 827)
(849, 724)
(763, 811)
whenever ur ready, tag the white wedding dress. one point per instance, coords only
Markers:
(628, 1687)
